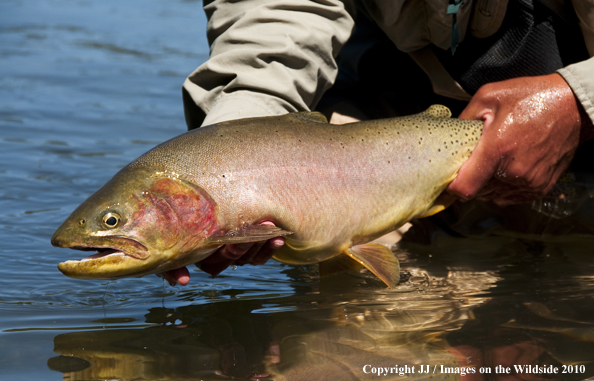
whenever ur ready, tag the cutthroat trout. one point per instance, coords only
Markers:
(329, 190)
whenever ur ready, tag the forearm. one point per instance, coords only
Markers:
(268, 57)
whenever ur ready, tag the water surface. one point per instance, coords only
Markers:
(86, 87)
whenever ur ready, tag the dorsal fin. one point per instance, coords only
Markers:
(438, 111)
(314, 116)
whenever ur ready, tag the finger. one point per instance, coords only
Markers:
(491, 190)
(223, 258)
(505, 194)
(474, 174)
(482, 163)
(495, 190)
(502, 197)
(261, 253)
(478, 109)
(251, 253)
(179, 276)
(512, 200)
(268, 250)
(515, 197)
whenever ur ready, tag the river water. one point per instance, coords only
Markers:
(88, 86)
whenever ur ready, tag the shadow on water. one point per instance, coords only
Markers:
(474, 303)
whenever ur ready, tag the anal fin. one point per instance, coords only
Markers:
(379, 260)
(252, 233)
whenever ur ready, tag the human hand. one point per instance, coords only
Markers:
(533, 126)
(237, 254)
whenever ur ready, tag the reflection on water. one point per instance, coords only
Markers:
(472, 303)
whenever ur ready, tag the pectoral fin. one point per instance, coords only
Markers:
(442, 202)
(379, 260)
(252, 233)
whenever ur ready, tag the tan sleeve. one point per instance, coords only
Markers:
(267, 57)
(580, 77)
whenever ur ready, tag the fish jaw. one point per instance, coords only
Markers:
(115, 257)
(112, 262)
(108, 264)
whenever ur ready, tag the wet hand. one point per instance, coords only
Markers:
(533, 126)
(239, 254)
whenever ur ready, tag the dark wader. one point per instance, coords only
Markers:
(382, 81)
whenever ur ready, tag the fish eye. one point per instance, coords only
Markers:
(111, 220)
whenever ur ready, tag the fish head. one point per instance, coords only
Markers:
(141, 222)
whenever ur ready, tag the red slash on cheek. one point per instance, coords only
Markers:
(173, 213)
(154, 222)
(195, 211)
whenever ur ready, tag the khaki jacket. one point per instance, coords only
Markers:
(276, 56)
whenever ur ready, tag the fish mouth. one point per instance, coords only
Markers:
(105, 246)
(122, 257)
(100, 253)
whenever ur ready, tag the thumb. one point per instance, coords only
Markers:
(480, 167)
